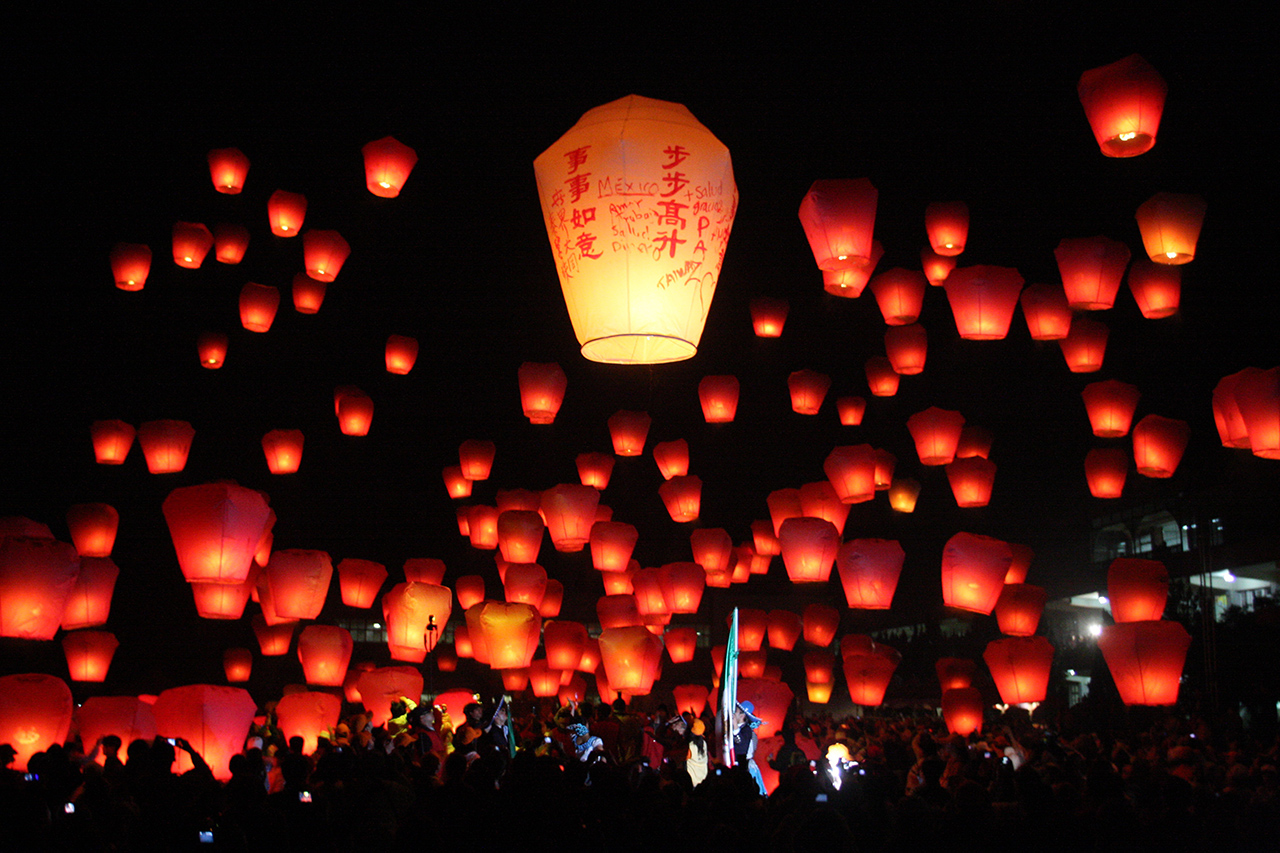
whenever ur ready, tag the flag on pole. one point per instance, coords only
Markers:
(729, 691)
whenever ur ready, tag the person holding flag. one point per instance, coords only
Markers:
(737, 720)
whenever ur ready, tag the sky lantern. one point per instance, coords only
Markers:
(211, 347)
(89, 603)
(325, 653)
(936, 267)
(936, 433)
(974, 441)
(1146, 660)
(387, 164)
(1019, 608)
(1110, 405)
(425, 570)
(672, 458)
(851, 470)
(947, 223)
(1170, 225)
(89, 654)
(719, 398)
(849, 282)
(308, 294)
(1158, 445)
(771, 698)
(1021, 563)
(127, 717)
(455, 484)
(221, 600)
(525, 583)
(629, 431)
(564, 642)
(903, 494)
(611, 545)
(819, 500)
(1091, 269)
(973, 571)
(401, 353)
(982, 300)
(360, 581)
(569, 510)
(1046, 311)
(595, 469)
(962, 709)
(682, 586)
(906, 348)
(520, 535)
(868, 669)
(324, 253)
(881, 377)
(574, 691)
(691, 698)
(130, 265)
(299, 580)
(286, 212)
(283, 450)
(681, 643)
(470, 590)
(1020, 668)
(542, 388)
(1085, 345)
(510, 631)
(885, 464)
(647, 588)
(712, 548)
(637, 298)
(37, 576)
(1123, 102)
(838, 217)
(382, 686)
(1105, 470)
(752, 625)
(35, 714)
(1227, 414)
(476, 458)
(355, 413)
(446, 659)
(191, 242)
(808, 390)
(768, 316)
(93, 528)
(683, 497)
(273, 640)
(851, 410)
(631, 657)
(230, 242)
(820, 624)
(544, 680)
(228, 168)
(1137, 589)
(214, 719)
(309, 715)
(258, 305)
(954, 673)
(900, 295)
(1258, 396)
(765, 537)
(783, 504)
(112, 441)
(869, 571)
(785, 627)
(809, 548)
(971, 479)
(416, 614)
(1157, 288)
(165, 445)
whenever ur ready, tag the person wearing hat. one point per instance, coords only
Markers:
(745, 723)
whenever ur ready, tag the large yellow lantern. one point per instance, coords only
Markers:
(638, 199)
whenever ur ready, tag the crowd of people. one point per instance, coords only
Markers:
(623, 779)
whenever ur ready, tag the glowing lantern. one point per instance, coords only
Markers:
(228, 168)
(936, 433)
(89, 602)
(221, 600)
(1085, 345)
(947, 223)
(1046, 311)
(1158, 445)
(1110, 405)
(819, 500)
(808, 390)
(211, 347)
(191, 242)
(415, 614)
(848, 283)
(237, 663)
(595, 469)
(165, 445)
(973, 571)
(771, 699)
(768, 316)
(1146, 660)
(681, 644)
(446, 659)
(286, 212)
(258, 305)
(283, 450)
(1258, 396)
(382, 686)
(360, 581)
(299, 580)
(544, 680)
(971, 480)
(127, 717)
(401, 353)
(672, 458)
(1020, 668)
(565, 642)
(462, 645)
(683, 497)
(1019, 608)
(355, 414)
(387, 164)
(955, 673)
(476, 458)
(508, 631)
(682, 586)
(569, 510)
(89, 654)
(690, 698)
(1170, 225)
(37, 577)
(647, 589)
(903, 494)
(851, 410)
(425, 570)
(1091, 269)
(765, 537)
(869, 571)
(881, 377)
(308, 294)
(906, 348)
(629, 301)
(982, 300)
(542, 388)
(962, 709)
(885, 463)
(1138, 589)
(838, 217)
(936, 267)
(325, 652)
(1123, 102)
(783, 504)
(719, 398)
(868, 669)
(820, 624)
(1157, 288)
(1227, 414)
(631, 657)
(712, 548)
(308, 715)
(752, 625)
(1021, 563)
(35, 714)
(112, 441)
(130, 265)
(455, 484)
(93, 528)
(273, 640)
(324, 253)
(525, 583)
(1105, 470)
(214, 719)
(974, 441)
(230, 242)
(900, 295)
(809, 548)
(611, 545)
(520, 535)
(470, 590)
(629, 430)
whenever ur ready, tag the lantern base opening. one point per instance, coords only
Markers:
(638, 349)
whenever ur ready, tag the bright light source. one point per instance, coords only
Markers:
(1095, 629)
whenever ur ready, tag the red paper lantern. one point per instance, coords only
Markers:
(309, 715)
(1146, 660)
(973, 571)
(819, 667)
(682, 586)
(221, 600)
(1105, 470)
(712, 548)
(542, 388)
(1085, 345)
(650, 602)
(258, 305)
(285, 212)
(1157, 288)
(1091, 269)
(838, 217)
(869, 571)
(425, 570)
(982, 300)
(947, 223)
(820, 624)
(868, 670)
(324, 253)
(237, 663)
(165, 445)
(783, 504)
(230, 242)
(470, 590)
(211, 347)
(228, 168)
(299, 580)
(520, 535)
(881, 377)
(819, 500)
(672, 458)
(809, 548)
(631, 657)
(682, 497)
(89, 603)
(216, 529)
(565, 643)
(785, 627)
(962, 709)
(35, 714)
(525, 583)
(1021, 563)
(1123, 102)
(903, 494)
(1138, 589)
(752, 625)
(382, 686)
(508, 633)
(885, 463)
(1020, 668)
(273, 640)
(130, 265)
(387, 164)
(360, 581)
(906, 348)
(446, 659)
(191, 242)
(1227, 414)
(900, 295)
(1110, 405)
(1046, 311)
(214, 719)
(595, 469)
(324, 652)
(569, 510)
(611, 545)
(851, 410)
(629, 430)
(455, 484)
(89, 654)
(1019, 608)
(848, 283)
(1170, 225)
(283, 450)
(308, 294)
(719, 398)
(355, 413)
(1258, 397)
(955, 673)
(936, 433)
(768, 316)
(681, 643)
(401, 353)
(690, 698)
(476, 458)
(974, 441)
(416, 613)
(936, 267)
(93, 528)
(971, 481)
(1158, 445)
